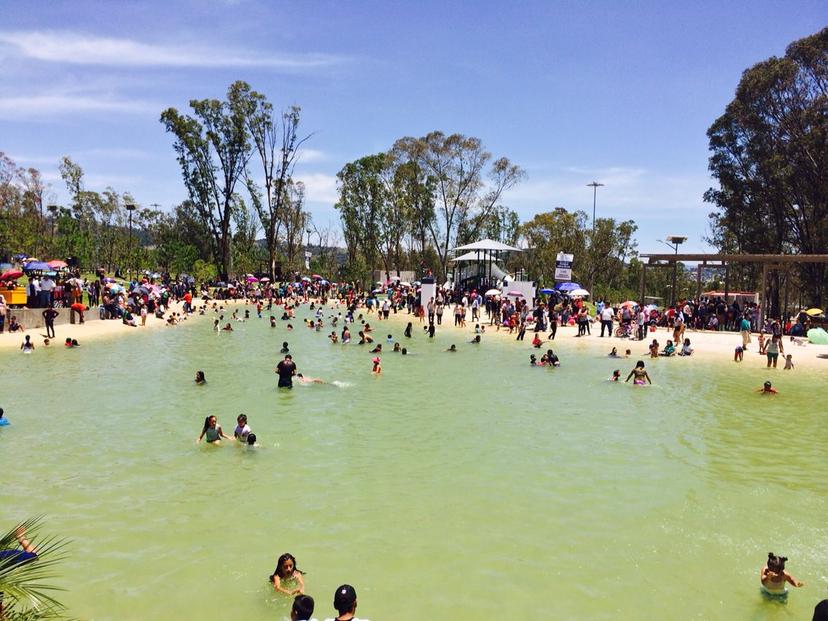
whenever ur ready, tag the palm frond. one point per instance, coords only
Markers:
(26, 585)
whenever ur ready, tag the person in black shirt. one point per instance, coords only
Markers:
(286, 369)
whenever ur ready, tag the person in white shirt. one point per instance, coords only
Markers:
(606, 320)
(47, 287)
(242, 428)
(345, 602)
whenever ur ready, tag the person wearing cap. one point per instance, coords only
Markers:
(345, 602)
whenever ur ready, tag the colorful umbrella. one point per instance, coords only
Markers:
(57, 264)
(317, 276)
(252, 279)
(11, 275)
(579, 292)
(493, 292)
(547, 291)
(36, 266)
(516, 294)
(813, 312)
(567, 286)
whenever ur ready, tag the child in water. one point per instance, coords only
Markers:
(377, 369)
(287, 578)
(212, 431)
(242, 430)
(199, 378)
(640, 374)
(789, 365)
(616, 375)
(767, 389)
(738, 354)
(774, 577)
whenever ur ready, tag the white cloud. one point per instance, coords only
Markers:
(319, 188)
(311, 156)
(81, 49)
(23, 107)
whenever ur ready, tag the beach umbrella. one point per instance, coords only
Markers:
(405, 284)
(36, 266)
(579, 292)
(394, 278)
(417, 283)
(57, 264)
(305, 279)
(516, 294)
(814, 312)
(567, 286)
(547, 291)
(629, 303)
(492, 292)
(11, 275)
(252, 279)
(265, 279)
(18, 256)
(116, 288)
(316, 276)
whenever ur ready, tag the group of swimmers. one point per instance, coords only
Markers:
(27, 346)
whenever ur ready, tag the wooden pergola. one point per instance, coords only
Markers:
(768, 262)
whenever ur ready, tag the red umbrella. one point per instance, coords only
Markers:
(57, 264)
(317, 276)
(11, 275)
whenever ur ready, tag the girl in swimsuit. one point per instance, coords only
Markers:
(640, 374)
(773, 577)
(212, 431)
(287, 578)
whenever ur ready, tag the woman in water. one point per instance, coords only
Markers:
(640, 374)
(773, 350)
(774, 577)
(27, 346)
(613, 353)
(212, 431)
(377, 369)
(407, 332)
(199, 378)
(287, 578)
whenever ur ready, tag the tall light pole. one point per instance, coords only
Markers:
(130, 207)
(594, 185)
(674, 241)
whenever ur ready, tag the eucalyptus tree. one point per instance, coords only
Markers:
(213, 148)
(277, 142)
(467, 182)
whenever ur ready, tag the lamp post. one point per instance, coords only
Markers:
(130, 207)
(674, 241)
(594, 185)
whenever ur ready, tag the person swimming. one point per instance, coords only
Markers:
(199, 378)
(613, 353)
(287, 578)
(773, 577)
(285, 349)
(640, 374)
(768, 389)
(616, 375)
(309, 380)
(452, 348)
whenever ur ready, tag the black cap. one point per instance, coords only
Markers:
(344, 598)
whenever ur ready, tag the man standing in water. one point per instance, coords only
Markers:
(286, 370)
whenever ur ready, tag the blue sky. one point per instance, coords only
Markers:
(619, 92)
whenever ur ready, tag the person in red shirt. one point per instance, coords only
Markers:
(188, 302)
(78, 308)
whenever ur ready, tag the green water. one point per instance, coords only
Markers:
(454, 486)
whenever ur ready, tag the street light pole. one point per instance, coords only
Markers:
(674, 242)
(594, 185)
(130, 207)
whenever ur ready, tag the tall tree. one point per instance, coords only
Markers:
(276, 141)
(465, 183)
(213, 149)
(769, 153)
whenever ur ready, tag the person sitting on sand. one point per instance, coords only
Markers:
(768, 389)
(199, 378)
(14, 325)
(212, 431)
(640, 374)
(686, 350)
(773, 577)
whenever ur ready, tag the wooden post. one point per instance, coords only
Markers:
(698, 280)
(727, 281)
(643, 281)
(762, 296)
